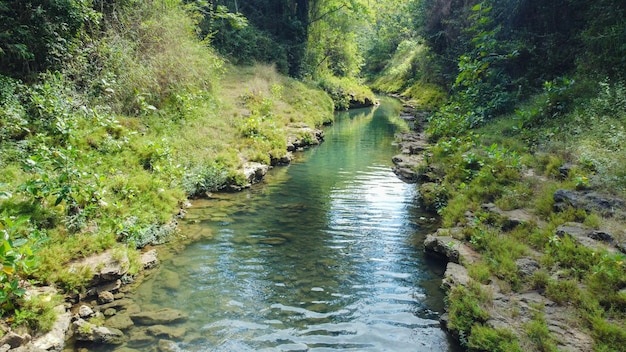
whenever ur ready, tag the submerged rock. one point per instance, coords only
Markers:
(164, 331)
(120, 321)
(161, 316)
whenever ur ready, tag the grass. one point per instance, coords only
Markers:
(515, 162)
(102, 154)
(407, 74)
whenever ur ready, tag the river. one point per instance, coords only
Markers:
(325, 254)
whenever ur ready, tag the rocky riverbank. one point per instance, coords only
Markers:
(103, 314)
(522, 304)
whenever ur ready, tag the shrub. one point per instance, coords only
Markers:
(465, 306)
(484, 338)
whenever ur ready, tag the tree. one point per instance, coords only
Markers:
(39, 34)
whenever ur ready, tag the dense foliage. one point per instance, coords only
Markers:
(102, 142)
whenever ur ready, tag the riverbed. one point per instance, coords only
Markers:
(325, 254)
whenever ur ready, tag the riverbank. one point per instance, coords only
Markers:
(536, 255)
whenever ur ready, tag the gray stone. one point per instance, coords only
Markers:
(149, 259)
(112, 287)
(171, 279)
(168, 332)
(455, 275)
(105, 297)
(601, 236)
(120, 322)
(88, 332)
(589, 201)
(107, 267)
(55, 338)
(444, 246)
(565, 169)
(583, 235)
(526, 266)
(167, 346)
(14, 340)
(161, 316)
(510, 218)
(85, 312)
(449, 248)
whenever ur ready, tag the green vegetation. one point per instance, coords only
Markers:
(102, 143)
(112, 113)
(529, 110)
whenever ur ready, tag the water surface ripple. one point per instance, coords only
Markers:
(325, 255)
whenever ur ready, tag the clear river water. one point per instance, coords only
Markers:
(324, 255)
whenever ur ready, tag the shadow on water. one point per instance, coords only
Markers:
(324, 255)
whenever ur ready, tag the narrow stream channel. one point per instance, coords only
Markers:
(324, 255)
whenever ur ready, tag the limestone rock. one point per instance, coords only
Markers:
(589, 201)
(412, 142)
(88, 332)
(105, 297)
(106, 266)
(406, 166)
(113, 286)
(140, 336)
(120, 322)
(168, 346)
(455, 275)
(27, 348)
(526, 266)
(85, 312)
(161, 316)
(117, 304)
(14, 340)
(254, 172)
(55, 338)
(510, 218)
(444, 246)
(302, 136)
(283, 160)
(164, 331)
(585, 236)
(450, 248)
(149, 259)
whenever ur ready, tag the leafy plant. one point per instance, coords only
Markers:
(17, 257)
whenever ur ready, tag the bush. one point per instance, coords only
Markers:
(484, 338)
(465, 306)
(346, 92)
